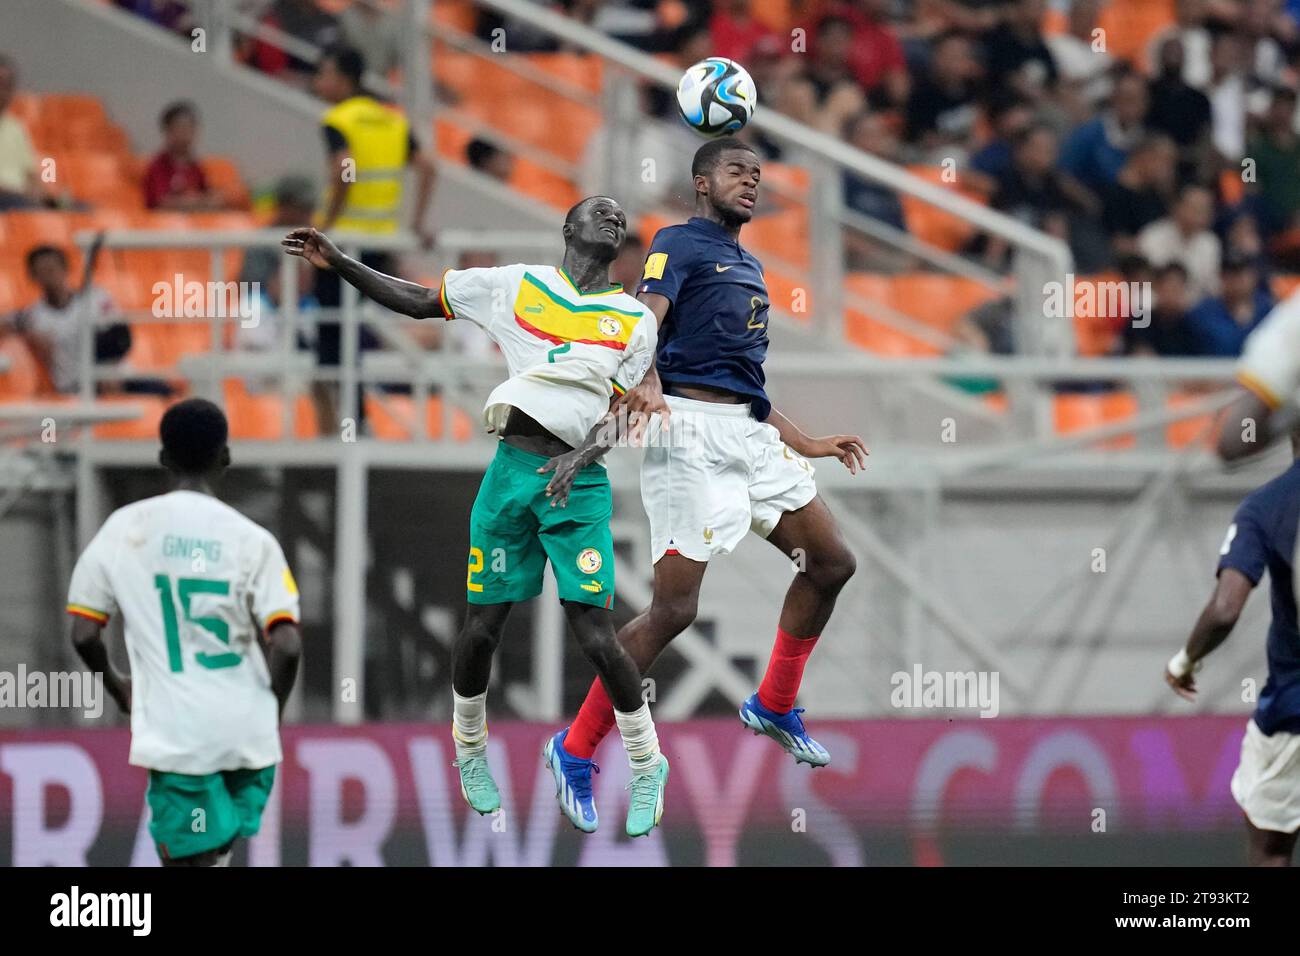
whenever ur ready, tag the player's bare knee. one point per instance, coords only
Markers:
(479, 635)
(673, 615)
(831, 571)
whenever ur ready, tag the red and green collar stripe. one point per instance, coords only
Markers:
(618, 389)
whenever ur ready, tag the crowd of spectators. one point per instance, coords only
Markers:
(1179, 153)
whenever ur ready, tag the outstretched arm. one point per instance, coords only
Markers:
(1212, 628)
(408, 298)
(849, 449)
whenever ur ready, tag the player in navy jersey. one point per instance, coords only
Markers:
(1262, 537)
(731, 463)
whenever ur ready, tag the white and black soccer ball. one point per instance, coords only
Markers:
(716, 96)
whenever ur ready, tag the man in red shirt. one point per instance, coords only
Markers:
(734, 30)
(876, 56)
(174, 179)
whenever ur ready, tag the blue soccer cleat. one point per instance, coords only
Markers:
(785, 729)
(572, 783)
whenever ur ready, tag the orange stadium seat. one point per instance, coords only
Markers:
(26, 229)
(1075, 412)
(223, 176)
(938, 300)
(24, 378)
(791, 296)
(145, 428)
(1095, 332)
(97, 179)
(1129, 26)
(391, 418)
(542, 184)
(255, 417)
(783, 234)
(931, 224)
(458, 14)
(451, 140)
(876, 336)
(580, 69)
(158, 346)
(1285, 285)
(1190, 431)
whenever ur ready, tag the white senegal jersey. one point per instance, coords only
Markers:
(196, 583)
(568, 352)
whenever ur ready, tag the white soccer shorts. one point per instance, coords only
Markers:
(719, 475)
(1266, 783)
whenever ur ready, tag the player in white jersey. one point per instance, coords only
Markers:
(572, 341)
(210, 612)
(1270, 372)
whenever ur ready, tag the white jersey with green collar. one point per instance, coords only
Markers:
(196, 584)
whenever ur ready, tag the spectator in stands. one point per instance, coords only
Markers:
(302, 20)
(1264, 33)
(174, 178)
(1083, 69)
(368, 146)
(20, 185)
(265, 336)
(490, 160)
(735, 31)
(1194, 40)
(873, 133)
(1185, 237)
(1227, 91)
(875, 54)
(168, 14)
(1017, 57)
(1141, 193)
(941, 110)
(1096, 151)
(375, 31)
(1031, 190)
(1275, 148)
(1009, 116)
(828, 93)
(1180, 111)
(52, 325)
(1167, 333)
(1221, 323)
(295, 203)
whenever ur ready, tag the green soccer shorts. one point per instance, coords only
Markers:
(513, 530)
(192, 814)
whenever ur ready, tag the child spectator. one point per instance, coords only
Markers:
(174, 179)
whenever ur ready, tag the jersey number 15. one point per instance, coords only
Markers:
(186, 588)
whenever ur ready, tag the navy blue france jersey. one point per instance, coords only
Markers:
(715, 333)
(1262, 537)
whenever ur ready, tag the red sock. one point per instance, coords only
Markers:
(595, 719)
(784, 671)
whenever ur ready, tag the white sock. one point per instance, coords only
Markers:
(469, 724)
(639, 737)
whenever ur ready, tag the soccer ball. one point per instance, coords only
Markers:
(716, 96)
